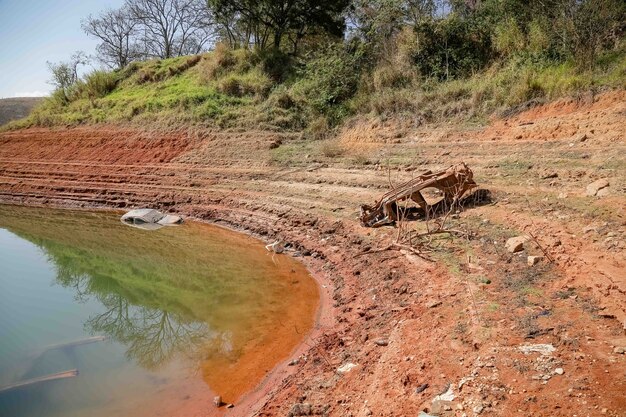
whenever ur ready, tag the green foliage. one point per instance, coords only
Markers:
(508, 38)
(326, 82)
(97, 84)
(269, 22)
(452, 47)
(251, 83)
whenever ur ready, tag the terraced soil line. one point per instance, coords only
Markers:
(412, 327)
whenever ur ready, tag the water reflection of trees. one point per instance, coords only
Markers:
(152, 334)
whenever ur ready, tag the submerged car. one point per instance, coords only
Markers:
(150, 219)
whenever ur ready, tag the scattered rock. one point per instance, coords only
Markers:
(434, 304)
(446, 396)
(421, 388)
(438, 407)
(230, 405)
(423, 414)
(559, 371)
(347, 367)
(275, 144)
(534, 260)
(478, 409)
(544, 349)
(596, 186)
(381, 342)
(303, 409)
(620, 350)
(582, 137)
(217, 401)
(516, 244)
(293, 362)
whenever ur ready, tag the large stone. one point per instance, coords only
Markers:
(594, 187)
(516, 244)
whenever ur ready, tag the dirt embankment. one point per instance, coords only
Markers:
(413, 328)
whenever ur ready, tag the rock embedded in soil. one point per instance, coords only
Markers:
(381, 342)
(421, 388)
(516, 244)
(594, 188)
(534, 260)
(345, 368)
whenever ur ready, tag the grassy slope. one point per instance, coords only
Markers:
(228, 89)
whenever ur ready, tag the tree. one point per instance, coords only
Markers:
(278, 18)
(65, 74)
(169, 28)
(116, 30)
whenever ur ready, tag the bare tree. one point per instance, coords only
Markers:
(169, 28)
(65, 74)
(116, 30)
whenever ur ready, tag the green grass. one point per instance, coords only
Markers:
(170, 92)
(500, 89)
(234, 89)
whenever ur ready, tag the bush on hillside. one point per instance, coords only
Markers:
(452, 47)
(252, 83)
(326, 82)
(97, 84)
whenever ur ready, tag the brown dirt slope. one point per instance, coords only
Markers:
(16, 108)
(414, 328)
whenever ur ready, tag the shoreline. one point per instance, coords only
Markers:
(412, 327)
(250, 402)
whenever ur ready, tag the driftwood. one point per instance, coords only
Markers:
(453, 182)
(86, 341)
(61, 375)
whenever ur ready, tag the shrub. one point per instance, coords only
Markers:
(319, 128)
(251, 83)
(218, 62)
(274, 62)
(327, 82)
(390, 77)
(97, 84)
(331, 149)
(538, 39)
(452, 47)
(508, 39)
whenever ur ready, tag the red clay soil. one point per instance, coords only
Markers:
(413, 328)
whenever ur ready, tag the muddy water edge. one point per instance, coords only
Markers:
(186, 312)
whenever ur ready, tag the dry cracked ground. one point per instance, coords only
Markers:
(469, 328)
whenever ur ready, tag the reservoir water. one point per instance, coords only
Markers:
(141, 323)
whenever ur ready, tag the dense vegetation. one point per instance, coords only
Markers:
(305, 66)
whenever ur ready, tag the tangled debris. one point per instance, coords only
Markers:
(452, 182)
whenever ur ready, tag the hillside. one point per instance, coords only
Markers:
(17, 108)
(244, 89)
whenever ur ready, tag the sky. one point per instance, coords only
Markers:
(33, 32)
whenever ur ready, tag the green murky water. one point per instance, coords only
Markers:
(185, 313)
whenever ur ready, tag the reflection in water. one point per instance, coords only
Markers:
(151, 335)
(196, 292)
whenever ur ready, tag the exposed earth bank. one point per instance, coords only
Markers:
(467, 320)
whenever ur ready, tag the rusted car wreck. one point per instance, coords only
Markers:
(452, 182)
